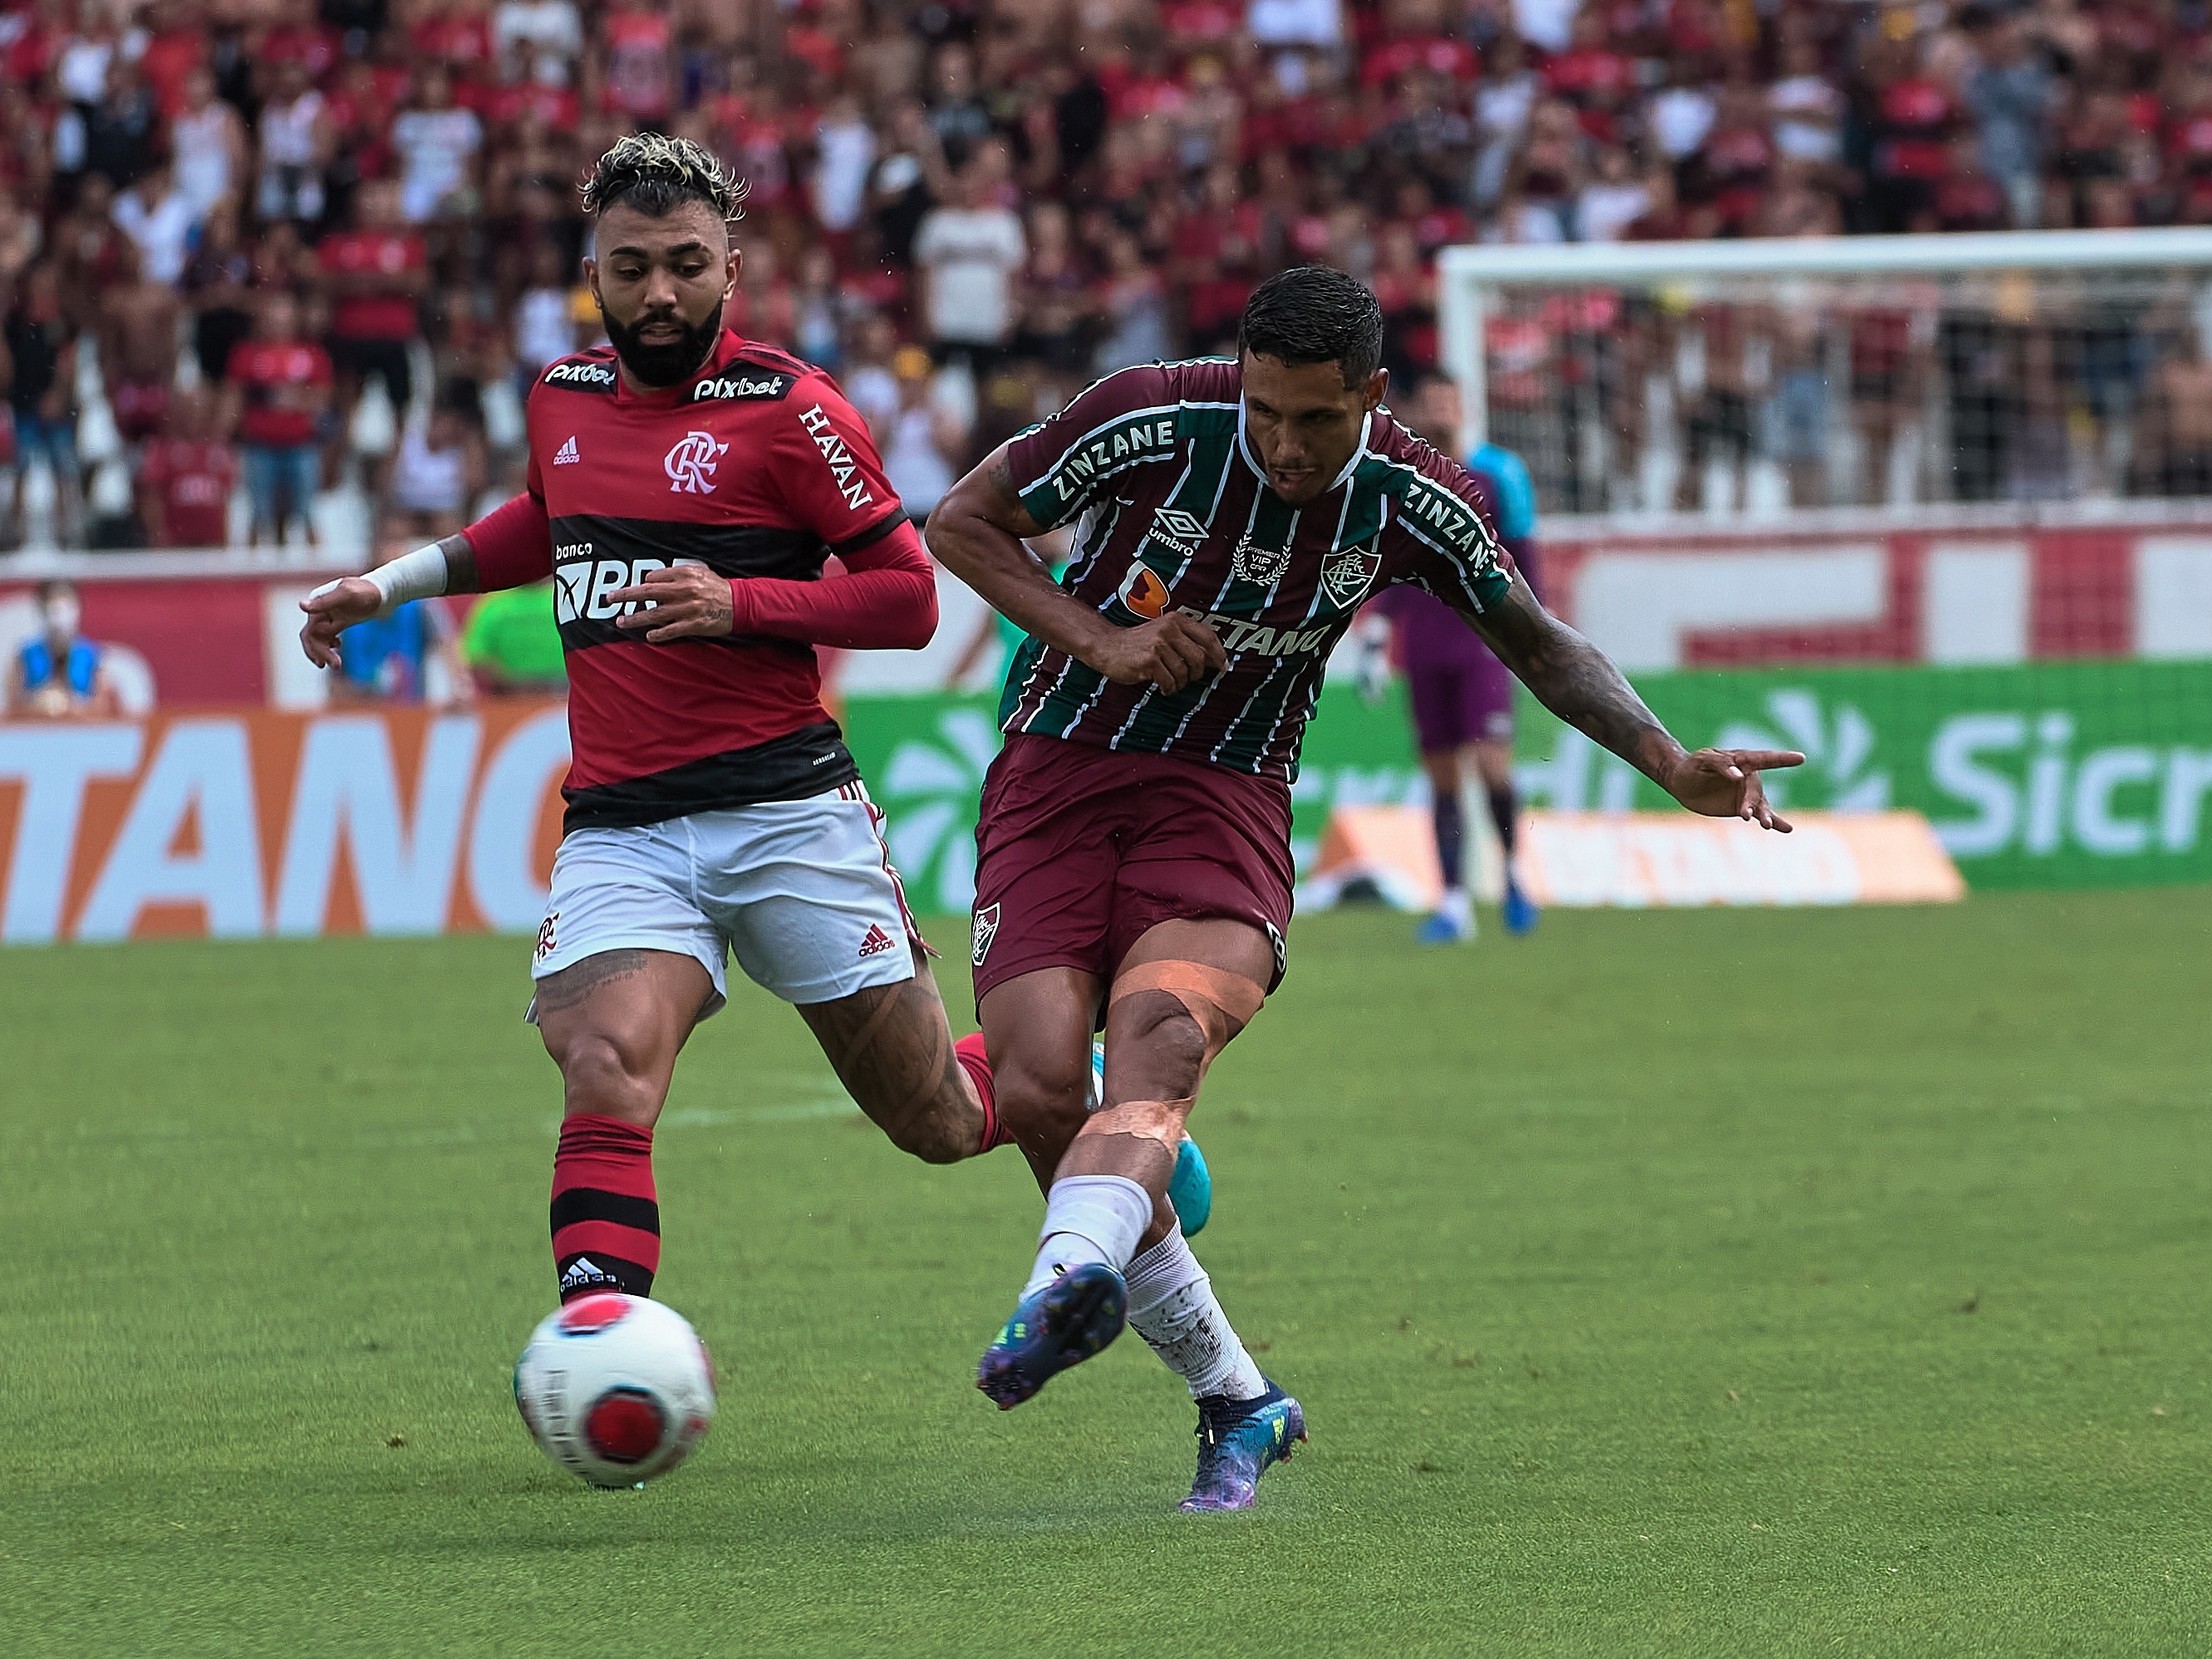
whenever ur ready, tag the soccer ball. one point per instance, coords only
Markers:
(616, 1388)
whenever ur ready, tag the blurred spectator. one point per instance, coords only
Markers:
(2173, 445)
(437, 141)
(965, 256)
(374, 275)
(297, 141)
(511, 646)
(439, 470)
(159, 222)
(207, 144)
(920, 441)
(137, 342)
(185, 477)
(2010, 92)
(216, 280)
(278, 386)
(41, 369)
(58, 673)
(542, 329)
(537, 38)
(1133, 302)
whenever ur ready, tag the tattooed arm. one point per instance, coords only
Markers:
(1579, 683)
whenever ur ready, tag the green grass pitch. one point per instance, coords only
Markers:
(1742, 1283)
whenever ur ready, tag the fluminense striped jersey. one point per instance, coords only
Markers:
(1172, 512)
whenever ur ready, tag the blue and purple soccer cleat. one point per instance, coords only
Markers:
(1062, 1325)
(1237, 1439)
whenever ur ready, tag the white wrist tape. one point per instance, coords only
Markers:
(421, 574)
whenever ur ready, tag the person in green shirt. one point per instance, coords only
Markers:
(511, 644)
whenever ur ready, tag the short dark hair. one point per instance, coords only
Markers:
(1315, 314)
(656, 174)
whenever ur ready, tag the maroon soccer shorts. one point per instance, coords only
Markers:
(1460, 702)
(1081, 850)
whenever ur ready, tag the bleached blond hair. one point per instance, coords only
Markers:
(654, 172)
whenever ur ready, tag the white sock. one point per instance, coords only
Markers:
(1089, 1218)
(1457, 905)
(1173, 1307)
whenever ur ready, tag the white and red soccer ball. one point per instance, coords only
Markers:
(616, 1388)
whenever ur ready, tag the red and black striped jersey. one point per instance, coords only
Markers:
(755, 467)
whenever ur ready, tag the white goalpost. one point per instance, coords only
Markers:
(1922, 374)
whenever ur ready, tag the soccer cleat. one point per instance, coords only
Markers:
(1190, 1189)
(1070, 1319)
(1520, 911)
(1237, 1439)
(1443, 929)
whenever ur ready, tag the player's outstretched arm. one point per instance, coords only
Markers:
(511, 546)
(1579, 683)
(977, 532)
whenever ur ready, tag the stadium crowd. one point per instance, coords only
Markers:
(288, 246)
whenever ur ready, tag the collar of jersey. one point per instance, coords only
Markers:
(668, 397)
(1359, 454)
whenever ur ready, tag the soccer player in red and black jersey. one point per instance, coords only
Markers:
(1133, 852)
(685, 489)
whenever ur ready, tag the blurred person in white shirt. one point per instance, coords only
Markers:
(965, 255)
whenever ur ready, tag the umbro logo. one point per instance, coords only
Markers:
(877, 942)
(567, 454)
(1179, 530)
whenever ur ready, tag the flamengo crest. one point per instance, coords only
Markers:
(690, 465)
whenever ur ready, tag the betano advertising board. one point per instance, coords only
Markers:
(246, 824)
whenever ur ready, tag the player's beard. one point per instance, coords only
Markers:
(670, 362)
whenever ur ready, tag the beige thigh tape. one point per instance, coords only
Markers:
(1214, 996)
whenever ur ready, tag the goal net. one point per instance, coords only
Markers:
(1936, 510)
(1755, 378)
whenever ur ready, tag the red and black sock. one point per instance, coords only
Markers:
(969, 1052)
(606, 1222)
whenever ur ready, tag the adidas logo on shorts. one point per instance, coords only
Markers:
(877, 942)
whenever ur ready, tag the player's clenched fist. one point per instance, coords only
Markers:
(1171, 654)
(333, 608)
(688, 601)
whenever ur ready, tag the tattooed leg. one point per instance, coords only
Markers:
(892, 1050)
(614, 1023)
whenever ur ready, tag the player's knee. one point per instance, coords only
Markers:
(1042, 1099)
(1157, 1050)
(943, 1133)
(595, 1077)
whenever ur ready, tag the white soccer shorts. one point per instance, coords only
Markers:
(802, 892)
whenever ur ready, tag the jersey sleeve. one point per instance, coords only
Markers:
(1063, 464)
(1441, 538)
(825, 467)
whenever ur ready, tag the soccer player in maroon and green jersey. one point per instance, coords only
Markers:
(1231, 517)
